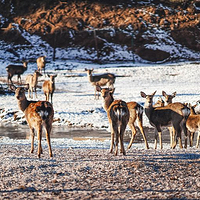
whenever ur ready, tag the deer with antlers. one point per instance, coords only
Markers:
(38, 114)
(166, 116)
(118, 117)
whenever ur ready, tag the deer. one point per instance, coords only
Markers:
(118, 117)
(168, 97)
(41, 63)
(107, 79)
(136, 114)
(49, 87)
(16, 70)
(193, 125)
(39, 115)
(32, 81)
(175, 106)
(166, 116)
(160, 103)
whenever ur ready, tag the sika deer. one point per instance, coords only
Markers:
(16, 70)
(177, 106)
(168, 97)
(136, 113)
(193, 125)
(41, 63)
(32, 81)
(165, 116)
(49, 87)
(118, 116)
(159, 103)
(38, 114)
(107, 79)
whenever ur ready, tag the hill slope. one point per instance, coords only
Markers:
(144, 31)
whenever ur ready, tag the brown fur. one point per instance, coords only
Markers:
(49, 87)
(193, 125)
(16, 70)
(38, 114)
(118, 117)
(32, 81)
(100, 80)
(165, 116)
(41, 63)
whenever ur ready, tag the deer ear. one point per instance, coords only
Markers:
(163, 93)
(154, 93)
(143, 94)
(111, 90)
(98, 88)
(174, 94)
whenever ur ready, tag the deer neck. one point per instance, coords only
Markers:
(107, 102)
(148, 109)
(90, 77)
(23, 104)
(192, 111)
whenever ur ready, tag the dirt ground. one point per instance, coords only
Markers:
(96, 174)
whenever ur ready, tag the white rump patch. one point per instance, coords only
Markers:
(43, 113)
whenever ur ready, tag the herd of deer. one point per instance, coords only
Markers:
(38, 114)
(177, 116)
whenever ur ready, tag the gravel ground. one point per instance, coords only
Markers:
(97, 174)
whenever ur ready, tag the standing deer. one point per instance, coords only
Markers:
(16, 70)
(107, 79)
(49, 87)
(193, 125)
(38, 114)
(41, 63)
(168, 97)
(166, 116)
(175, 106)
(118, 117)
(32, 81)
(136, 114)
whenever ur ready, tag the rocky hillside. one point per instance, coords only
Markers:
(148, 30)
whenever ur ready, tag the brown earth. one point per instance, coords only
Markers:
(97, 174)
(72, 24)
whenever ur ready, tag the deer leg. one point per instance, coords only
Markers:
(112, 140)
(160, 139)
(121, 135)
(133, 130)
(178, 135)
(143, 134)
(39, 141)
(32, 134)
(51, 97)
(19, 77)
(156, 138)
(198, 137)
(183, 126)
(116, 141)
(171, 136)
(35, 92)
(31, 91)
(48, 132)
(191, 138)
